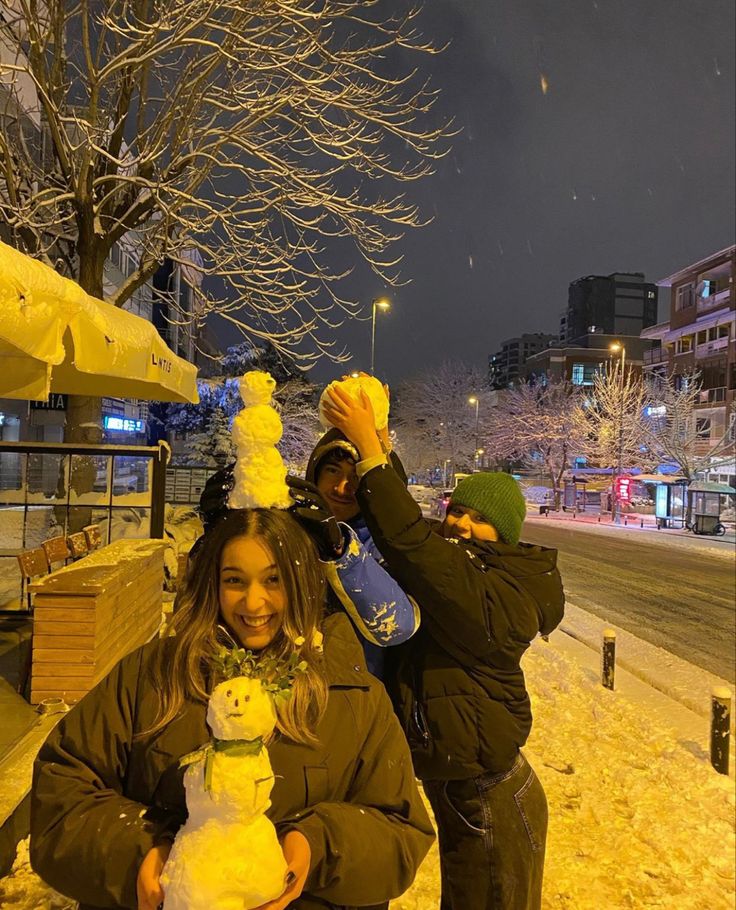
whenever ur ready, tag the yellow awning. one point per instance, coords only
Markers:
(56, 338)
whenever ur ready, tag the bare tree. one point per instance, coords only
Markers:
(244, 132)
(539, 426)
(673, 429)
(434, 422)
(610, 421)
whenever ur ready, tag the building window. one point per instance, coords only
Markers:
(684, 345)
(702, 428)
(684, 297)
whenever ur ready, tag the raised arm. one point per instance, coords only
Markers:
(380, 610)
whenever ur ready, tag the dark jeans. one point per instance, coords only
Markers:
(492, 831)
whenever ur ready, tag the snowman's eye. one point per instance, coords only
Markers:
(228, 693)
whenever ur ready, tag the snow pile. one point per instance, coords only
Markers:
(23, 890)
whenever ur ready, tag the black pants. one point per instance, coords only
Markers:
(492, 831)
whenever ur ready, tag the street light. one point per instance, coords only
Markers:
(379, 303)
(447, 478)
(478, 457)
(474, 400)
(616, 346)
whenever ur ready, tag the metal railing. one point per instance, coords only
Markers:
(54, 489)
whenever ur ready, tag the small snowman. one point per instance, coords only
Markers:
(227, 855)
(260, 474)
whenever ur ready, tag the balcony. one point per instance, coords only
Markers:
(714, 301)
(711, 347)
(712, 396)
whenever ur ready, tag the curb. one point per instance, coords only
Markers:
(683, 682)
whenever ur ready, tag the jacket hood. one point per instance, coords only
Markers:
(534, 569)
(334, 439)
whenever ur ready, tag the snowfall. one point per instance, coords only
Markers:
(638, 817)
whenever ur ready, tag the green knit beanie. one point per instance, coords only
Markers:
(498, 498)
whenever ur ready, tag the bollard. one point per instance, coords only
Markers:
(608, 664)
(720, 728)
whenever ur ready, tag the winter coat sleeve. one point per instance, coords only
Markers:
(382, 613)
(471, 612)
(367, 849)
(87, 838)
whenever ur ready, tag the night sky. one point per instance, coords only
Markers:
(625, 163)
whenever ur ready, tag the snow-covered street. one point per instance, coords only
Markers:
(638, 818)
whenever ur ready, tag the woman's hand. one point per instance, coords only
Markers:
(148, 886)
(354, 418)
(298, 855)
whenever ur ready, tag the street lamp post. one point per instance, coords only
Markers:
(617, 346)
(447, 479)
(474, 400)
(379, 303)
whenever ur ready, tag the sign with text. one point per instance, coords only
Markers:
(56, 401)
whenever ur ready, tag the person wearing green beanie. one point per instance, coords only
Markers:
(486, 506)
(457, 685)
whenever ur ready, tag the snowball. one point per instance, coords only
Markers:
(353, 386)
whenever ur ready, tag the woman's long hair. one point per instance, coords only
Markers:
(183, 670)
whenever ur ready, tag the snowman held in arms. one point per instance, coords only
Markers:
(248, 759)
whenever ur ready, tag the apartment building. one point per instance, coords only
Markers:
(622, 303)
(507, 365)
(700, 335)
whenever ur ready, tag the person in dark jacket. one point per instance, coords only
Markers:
(108, 797)
(458, 687)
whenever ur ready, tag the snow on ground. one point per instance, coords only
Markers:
(638, 818)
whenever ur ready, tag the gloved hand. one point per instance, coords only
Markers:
(314, 515)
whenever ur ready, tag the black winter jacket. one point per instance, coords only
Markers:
(457, 684)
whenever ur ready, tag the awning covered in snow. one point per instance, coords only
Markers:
(710, 486)
(56, 338)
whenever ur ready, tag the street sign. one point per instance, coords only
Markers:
(57, 401)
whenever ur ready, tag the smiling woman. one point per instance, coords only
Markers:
(341, 773)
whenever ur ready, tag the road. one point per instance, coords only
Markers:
(681, 599)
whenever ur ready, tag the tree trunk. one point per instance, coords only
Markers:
(84, 412)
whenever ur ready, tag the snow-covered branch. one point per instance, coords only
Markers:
(251, 133)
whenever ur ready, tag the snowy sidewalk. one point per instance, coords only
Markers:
(638, 818)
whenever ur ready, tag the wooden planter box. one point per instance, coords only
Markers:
(90, 614)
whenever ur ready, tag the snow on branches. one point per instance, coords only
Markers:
(245, 136)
